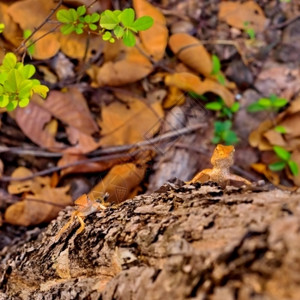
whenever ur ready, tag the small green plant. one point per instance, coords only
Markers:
(216, 69)
(16, 87)
(2, 27)
(110, 24)
(273, 103)
(285, 1)
(285, 161)
(223, 133)
(30, 49)
(220, 106)
(280, 129)
(249, 30)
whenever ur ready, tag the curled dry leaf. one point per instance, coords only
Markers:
(263, 169)
(131, 68)
(175, 97)
(190, 82)
(127, 124)
(190, 51)
(236, 14)
(155, 38)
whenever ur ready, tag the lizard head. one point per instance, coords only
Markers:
(223, 156)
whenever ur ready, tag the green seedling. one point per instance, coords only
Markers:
(249, 30)
(285, 161)
(31, 47)
(273, 103)
(216, 69)
(2, 27)
(280, 129)
(110, 24)
(220, 106)
(16, 85)
(224, 134)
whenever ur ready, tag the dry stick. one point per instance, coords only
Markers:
(286, 23)
(111, 150)
(23, 44)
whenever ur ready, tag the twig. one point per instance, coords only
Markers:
(118, 149)
(22, 151)
(23, 44)
(286, 23)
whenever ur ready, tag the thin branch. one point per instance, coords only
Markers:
(23, 44)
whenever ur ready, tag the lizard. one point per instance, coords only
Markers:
(222, 160)
(84, 206)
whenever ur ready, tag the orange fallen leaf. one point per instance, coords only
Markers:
(155, 38)
(123, 124)
(131, 68)
(190, 82)
(236, 14)
(270, 175)
(190, 51)
(120, 181)
(175, 97)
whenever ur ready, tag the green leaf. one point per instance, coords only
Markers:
(129, 38)
(214, 106)
(282, 153)
(227, 125)
(293, 167)
(4, 100)
(14, 79)
(9, 61)
(277, 166)
(64, 16)
(235, 107)
(279, 102)
(221, 79)
(25, 89)
(143, 23)
(254, 107)
(87, 19)
(93, 26)
(127, 17)
(95, 17)
(12, 105)
(219, 127)
(26, 34)
(81, 10)
(216, 140)
(3, 77)
(280, 129)
(24, 102)
(67, 29)
(27, 71)
(106, 36)
(108, 20)
(112, 40)
(216, 64)
(78, 30)
(226, 112)
(2, 27)
(230, 137)
(73, 15)
(265, 102)
(119, 32)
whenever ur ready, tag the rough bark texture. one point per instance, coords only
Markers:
(187, 242)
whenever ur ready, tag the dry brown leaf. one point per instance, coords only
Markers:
(29, 14)
(12, 31)
(131, 68)
(190, 82)
(74, 45)
(119, 182)
(32, 120)
(127, 124)
(190, 51)
(236, 14)
(49, 201)
(155, 38)
(256, 138)
(71, 108)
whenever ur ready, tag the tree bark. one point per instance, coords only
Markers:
(182, 242)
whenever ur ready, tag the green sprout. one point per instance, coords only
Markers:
(285, 161)
(220, 106)
(110, 24)
(27, 33)
(216, 69)
(273, 103)
(223, 133)
(249, 30)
